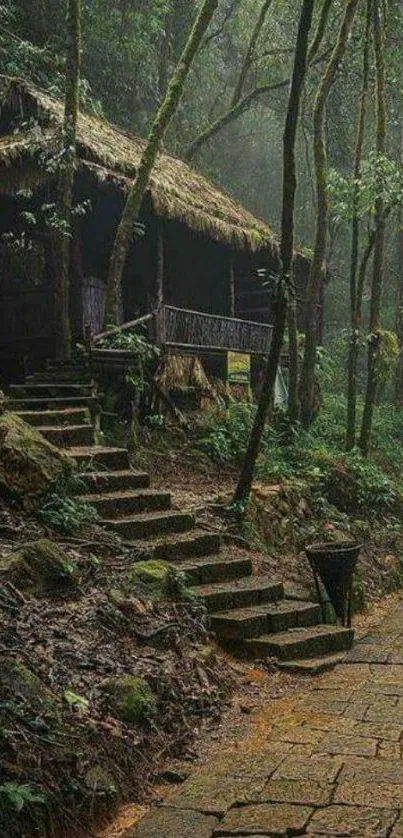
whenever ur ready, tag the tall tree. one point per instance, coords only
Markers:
(356, 289)
(161, 122)
(318, 267)
(64, 204)
(287, 252)
(374, 340)
(292, 323)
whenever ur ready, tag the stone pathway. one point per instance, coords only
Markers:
(329, 763)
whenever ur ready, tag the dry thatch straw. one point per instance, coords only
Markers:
(177, 191)
(179, 372)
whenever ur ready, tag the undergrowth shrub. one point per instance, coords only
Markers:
(65, 511)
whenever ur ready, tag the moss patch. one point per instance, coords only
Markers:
(30, 467)
(131, 699)
(17, 682)
(157, 580)
(39, 566)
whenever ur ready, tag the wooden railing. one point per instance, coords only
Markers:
(200, 332)
(197, 332)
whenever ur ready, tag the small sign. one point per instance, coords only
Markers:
(238, 368)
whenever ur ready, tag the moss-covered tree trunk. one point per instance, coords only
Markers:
(64, 204)
(134, 200)
(287, 252)
(318, 267)
(374, 339)
(292, 318)
(355, 289)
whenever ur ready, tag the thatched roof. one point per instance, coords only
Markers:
(176, 190)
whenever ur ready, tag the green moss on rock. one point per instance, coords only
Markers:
(157, 580)
(30, 467)
(100, 781)
(39, 566)
(131, 699)
(19, 682)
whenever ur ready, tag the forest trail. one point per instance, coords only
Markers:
(327, 761)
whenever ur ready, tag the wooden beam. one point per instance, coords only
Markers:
(160, 314)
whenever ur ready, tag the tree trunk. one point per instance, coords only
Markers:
(239, 87)
(318, 267)
(64, 203)
(135, 198)
(399, 301)
(380, 225)
(355, 291)
(293, 407)
(287, 252)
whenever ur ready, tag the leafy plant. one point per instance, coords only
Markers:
(65, 512)
(18, 795)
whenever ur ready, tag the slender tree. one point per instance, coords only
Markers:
(318, 267)
(161, 122)
(287, 251)
(356, 289)
(292, 323)
(374, 340)
(64, 204)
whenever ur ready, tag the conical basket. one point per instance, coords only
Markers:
(334, 563)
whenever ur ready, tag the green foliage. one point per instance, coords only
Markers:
(17, 796)
(65, 511)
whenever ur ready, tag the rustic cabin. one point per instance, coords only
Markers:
(205, 263)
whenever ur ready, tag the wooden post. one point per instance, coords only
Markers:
(160, 314)
(231, 294)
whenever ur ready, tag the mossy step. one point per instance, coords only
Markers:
(50, 418)
(179, 547)
(312, 666)
(253, 590)
(95, 457)
(150, 523)
(302, 643)
(114, 504)
(113, 481)
(62, 376)
(243, 623)
(68, 436)
(209, 569)
(45, 403)
(49, 390)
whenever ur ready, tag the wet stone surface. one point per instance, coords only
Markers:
(331, 765)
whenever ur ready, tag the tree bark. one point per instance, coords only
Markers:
(135, 198)
(379, 244)
(399, 301)
(355, 290)
(64, 204)
(287, 252)
(318, 267)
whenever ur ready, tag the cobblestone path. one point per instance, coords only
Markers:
(330, 763)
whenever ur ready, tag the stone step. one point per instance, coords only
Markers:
(179, 547)
(69, 436)
(114, 504)
(313, 666)
(55, 418)
(95, 457)
(150, 523)
(253, 590)
(45, 403)
(243, 623)
(62, 376)
(310, 642)
(48, 390)
(209, 569)
(113, 481)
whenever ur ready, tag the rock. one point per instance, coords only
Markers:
(157, 580)
(167, 823)
(30, 467)
(131, 699)
(100, 782)
(19, 682)
(39, 566)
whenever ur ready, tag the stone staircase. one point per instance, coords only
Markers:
(248, 613)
